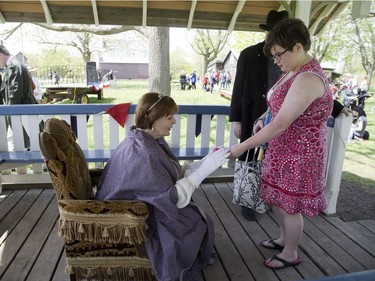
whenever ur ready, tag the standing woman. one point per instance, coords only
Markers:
(294, 165)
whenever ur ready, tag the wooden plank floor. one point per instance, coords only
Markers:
(31, 250)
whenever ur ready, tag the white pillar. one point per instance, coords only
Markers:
(361, 9)
(302, 11)
(340, 133)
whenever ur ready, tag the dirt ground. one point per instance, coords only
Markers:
(355, 202)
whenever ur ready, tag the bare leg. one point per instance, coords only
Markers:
(280, 221)
(293, 227)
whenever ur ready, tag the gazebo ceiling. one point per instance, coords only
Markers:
(245, 15)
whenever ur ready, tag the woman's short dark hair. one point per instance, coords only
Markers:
(360, 111)
(286, 34)
(151, 107)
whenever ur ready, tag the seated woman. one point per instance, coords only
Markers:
(357, 131)
(181, 235)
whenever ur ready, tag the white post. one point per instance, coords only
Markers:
(302, 11)
(336, 160)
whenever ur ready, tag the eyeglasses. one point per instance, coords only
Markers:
(277, 56)
(160, 97)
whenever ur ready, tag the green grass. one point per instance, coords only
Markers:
(359, 163)
(132, 90)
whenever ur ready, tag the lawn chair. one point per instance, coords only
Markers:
(104, 240)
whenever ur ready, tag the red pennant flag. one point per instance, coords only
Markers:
(119, 112)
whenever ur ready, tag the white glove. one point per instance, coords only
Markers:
(189, 167)
(209, 165)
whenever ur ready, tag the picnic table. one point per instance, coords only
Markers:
(77, 93)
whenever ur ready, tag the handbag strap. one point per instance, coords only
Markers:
(255, 153)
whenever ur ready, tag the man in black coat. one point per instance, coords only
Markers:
(16, 86)
(255, 75)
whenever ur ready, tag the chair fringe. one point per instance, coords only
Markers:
(97, 232)
(112, 273)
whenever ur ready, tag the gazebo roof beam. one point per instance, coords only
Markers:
(240, 5)
(47, 13)
(191, 14)
(95, 12)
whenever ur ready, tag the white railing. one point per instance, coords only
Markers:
(198, 129)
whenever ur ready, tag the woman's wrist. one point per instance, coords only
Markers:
(259, 119)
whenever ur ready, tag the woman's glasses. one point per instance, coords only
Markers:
(160, 97)
(277, 56)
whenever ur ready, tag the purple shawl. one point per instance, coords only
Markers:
(142, 168)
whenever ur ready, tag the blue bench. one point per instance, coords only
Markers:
(97, 155)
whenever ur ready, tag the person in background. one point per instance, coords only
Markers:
(16, 86)
(217, 76)
(358, 128)
(255, 75)
(193, 80)
(37, 90)
(223, 79)
(143, 167)
(56, 78)
(229, 80)
(205, 81)
(183, 80)
(212, 80)
(295, 162)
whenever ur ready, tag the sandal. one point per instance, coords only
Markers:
(285, 263)
(274, 246)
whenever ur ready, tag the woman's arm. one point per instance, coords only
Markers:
(359, 126)
(305, 89)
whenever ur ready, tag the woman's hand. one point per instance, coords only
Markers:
(237, 129)
(236, 151)
(258, 125)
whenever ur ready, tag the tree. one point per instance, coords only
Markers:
(208, 44)
(158, 38)
(365, 33)
(159, 74)
(240, 40)
(86, 36)
(322, 44)
(345, 40)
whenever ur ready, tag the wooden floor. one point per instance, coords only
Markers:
(31, 250)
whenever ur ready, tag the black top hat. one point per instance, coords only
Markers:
(273, 17)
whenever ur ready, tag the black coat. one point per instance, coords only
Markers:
(250, 89)
(16, 84)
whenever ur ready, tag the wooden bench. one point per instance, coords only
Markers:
(198, 129)
(225, 94)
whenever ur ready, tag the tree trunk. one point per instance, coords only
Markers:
(159, 74)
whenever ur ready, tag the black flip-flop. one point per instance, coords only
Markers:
(285, 263)
(274, 246)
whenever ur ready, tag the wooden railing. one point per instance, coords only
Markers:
(198, 129)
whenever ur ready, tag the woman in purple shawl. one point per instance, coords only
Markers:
(181, 236)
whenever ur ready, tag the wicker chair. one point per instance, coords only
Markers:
(104, 240)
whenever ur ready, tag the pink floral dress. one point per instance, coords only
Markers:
(295, 162)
